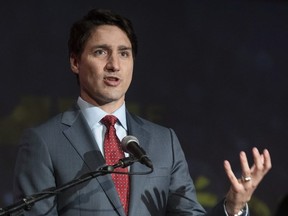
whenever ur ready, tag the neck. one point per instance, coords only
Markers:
(107, 107)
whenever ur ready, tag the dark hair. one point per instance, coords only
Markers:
(81, 30)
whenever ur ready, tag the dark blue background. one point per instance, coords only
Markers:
(215, 71)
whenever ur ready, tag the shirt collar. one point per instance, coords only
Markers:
(94, 114)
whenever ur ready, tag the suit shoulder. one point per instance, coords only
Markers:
(49, 122)
(50, 127)
(62, 119)
(149, 124)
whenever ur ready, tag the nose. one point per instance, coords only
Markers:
(113, 63)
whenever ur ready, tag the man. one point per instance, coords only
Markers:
(102, 48)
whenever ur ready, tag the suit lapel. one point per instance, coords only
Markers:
(82, 140)
(137, 181)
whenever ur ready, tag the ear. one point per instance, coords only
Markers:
(74, 63)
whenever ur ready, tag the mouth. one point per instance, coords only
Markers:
(111, 80)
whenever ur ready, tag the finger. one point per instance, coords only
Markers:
(267, 160)
(252, 169)
(230, 174)
(246, 172)
(262, 164)
(263, 161)
(258, 159)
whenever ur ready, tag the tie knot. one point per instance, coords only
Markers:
(109, 120)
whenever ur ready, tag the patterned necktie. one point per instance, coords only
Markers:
(113, 152)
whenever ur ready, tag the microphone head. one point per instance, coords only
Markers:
(130, 144)
(126, 140)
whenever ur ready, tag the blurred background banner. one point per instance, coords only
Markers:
(218, 67)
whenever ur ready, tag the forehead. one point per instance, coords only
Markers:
(110, 35)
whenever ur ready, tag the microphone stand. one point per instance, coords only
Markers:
(27, 202)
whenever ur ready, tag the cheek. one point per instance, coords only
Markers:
(130, 71)
(89, 77)
(129, 77)
(90, 71)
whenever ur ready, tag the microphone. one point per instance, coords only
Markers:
(130, 144)
(124, 162)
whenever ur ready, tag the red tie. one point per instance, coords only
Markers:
(113, 152)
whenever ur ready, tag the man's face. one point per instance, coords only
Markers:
(105, 66)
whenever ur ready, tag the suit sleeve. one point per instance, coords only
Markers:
(182, 198)
(34, 173)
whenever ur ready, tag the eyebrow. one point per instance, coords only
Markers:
(106, 46)
(124, 48)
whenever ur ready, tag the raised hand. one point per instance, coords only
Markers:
(242, 189)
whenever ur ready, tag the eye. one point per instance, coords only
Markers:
(100, 52)
(125, 53)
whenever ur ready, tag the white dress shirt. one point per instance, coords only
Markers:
(93, 116)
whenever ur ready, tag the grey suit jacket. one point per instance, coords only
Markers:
(63, 149)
